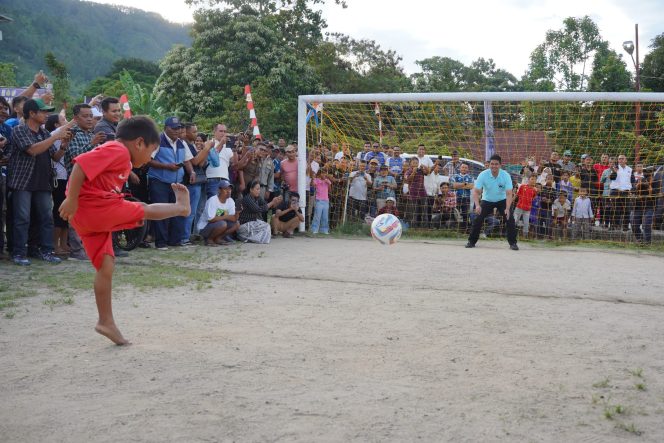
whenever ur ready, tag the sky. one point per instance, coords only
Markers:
(506, 31)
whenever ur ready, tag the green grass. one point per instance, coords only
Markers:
(631, 428)
(602, 383)
(637, 372)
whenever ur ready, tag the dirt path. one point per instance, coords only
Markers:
(345, 340)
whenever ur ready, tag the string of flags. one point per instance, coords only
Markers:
(252, 112)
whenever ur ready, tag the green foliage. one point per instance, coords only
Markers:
(652, 69)
(87, 37)
(59, 71)
(143, 72)
(609, 72)
(443, 74)
(8, 74)
(142, 100)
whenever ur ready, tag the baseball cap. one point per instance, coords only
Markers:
(567, 153)
(383, 167)
(43, 106)
(223, 184)
(391, 199)
(583, 157)
(173, 123)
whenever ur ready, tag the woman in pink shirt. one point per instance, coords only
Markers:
(322, 209)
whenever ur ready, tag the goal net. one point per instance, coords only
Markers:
(574, 144)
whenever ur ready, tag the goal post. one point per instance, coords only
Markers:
(513, 124)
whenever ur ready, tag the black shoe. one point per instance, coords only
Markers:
(514, 247)
(470, 245)
(120, 253)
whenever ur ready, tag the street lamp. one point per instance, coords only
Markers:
(629, 47)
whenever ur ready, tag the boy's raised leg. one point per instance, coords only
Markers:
(181, 207)
(103, 285)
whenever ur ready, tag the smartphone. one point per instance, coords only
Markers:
(109, 136)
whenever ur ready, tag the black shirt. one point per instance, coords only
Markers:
(290, 215)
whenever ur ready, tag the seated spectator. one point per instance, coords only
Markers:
(582, 215)
(390, 207)
(443, 206)
(288, 216)
(252, 227)
(219, 219)
(560, 211)
(385, 186)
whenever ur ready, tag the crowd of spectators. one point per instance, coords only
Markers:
(244, 189)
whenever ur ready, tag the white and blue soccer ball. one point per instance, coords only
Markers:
(386, 229)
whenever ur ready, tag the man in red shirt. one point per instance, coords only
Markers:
(525, 195)
(599, 168)
(96, 207)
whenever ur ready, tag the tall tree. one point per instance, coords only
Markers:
(441, 74)
(61, 86)
(564, 55)
(610, 72)
(7, 74)
(652, 69)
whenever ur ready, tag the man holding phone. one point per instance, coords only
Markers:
(167, 166)
(111, 115)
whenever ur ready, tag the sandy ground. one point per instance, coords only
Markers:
(345, 340)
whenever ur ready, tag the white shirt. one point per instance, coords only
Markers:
(623, 181)
(426, 161)
(314, 170)
(432, 183)
(220, 171)
(215, 208)
(358, 185)
(339, 155)
(582, 208)
(173, 143)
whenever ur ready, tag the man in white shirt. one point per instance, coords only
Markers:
(359, 181)
(220, 159)
(622, 178)
(423, 159)
(219, 219)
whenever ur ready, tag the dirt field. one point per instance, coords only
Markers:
(344, 340)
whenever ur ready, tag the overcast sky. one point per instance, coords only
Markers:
(506, 30)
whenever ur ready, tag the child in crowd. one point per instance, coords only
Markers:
(443, 206)
(220, 218)
(638, 172)
(321, 218)
(582, 214)
(390, 207)
(565, 185)
(95, 206)
(560, 210)
(575, 181)
(535, 209)
(525, 195)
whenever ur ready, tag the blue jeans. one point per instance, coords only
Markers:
(321, 217)
(22, 202)
(171, 230)
(212, 186)
(194, 197)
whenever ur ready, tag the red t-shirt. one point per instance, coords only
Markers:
(106, 169)
(599, 169)
(526, 194)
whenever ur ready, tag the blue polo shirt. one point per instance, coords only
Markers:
(495, 188)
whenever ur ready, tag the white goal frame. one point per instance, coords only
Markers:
(636, 97)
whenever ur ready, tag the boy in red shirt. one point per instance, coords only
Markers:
(525, 196)
(95, 205)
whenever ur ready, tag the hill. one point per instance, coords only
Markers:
(86, 36)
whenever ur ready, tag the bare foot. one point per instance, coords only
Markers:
(182, 198)
(112, 333)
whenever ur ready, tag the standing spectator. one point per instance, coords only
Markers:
(566, 164)
(535, 209)
(359, 182)
(385, 186)
(220, 158)
(277, 156)
(61, 226)
(5, 141)
(548, 197)
(417, 194)
(168, 166)
(219, 220)
(644, 210)
(600, 167)
(362, 155)
(376, 154)
(30, 180)
(453, 167)
(196, 183)
(111, 115)
(622, 179)
(395, 163)
(606, 212)
(289, 169)
(496, 187)
(525, 196)
(16, 118)
(462, 183)
(565, 185)
(638, 172)
(321, 218)
(288, 216)
(582, 215)
(424, 160)
(554, 165)
(560, 213)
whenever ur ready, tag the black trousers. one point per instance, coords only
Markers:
(487, 209)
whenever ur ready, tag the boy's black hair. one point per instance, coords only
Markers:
(106, 103)
(562, 193)
(77, 108)
(4, 102)
(203, 136)
(139, 126)
(295, 194)
(496, 157)
(189, 125)
(51, 121)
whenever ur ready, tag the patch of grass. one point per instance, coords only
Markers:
(631, 428)
(146, 278)
(10, 314)
(640, 386)
(602, 383)
(638, 372)
(65, 300)
(9, 294)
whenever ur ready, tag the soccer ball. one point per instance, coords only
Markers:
(386, 229)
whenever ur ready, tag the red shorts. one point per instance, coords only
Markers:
(95, 221)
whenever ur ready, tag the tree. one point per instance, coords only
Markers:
(563, 56)
(7, 74)
(61, 86)
(143, 72)
(609, 72)
(441, 74)
(652, 69)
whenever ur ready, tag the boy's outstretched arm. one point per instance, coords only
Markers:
(70, 204)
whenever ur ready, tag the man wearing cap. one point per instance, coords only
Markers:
(30, 180)
(452, 167)
(376, 154)
(384, 185)
(168, 166)
(219, 219)
(566, 164)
